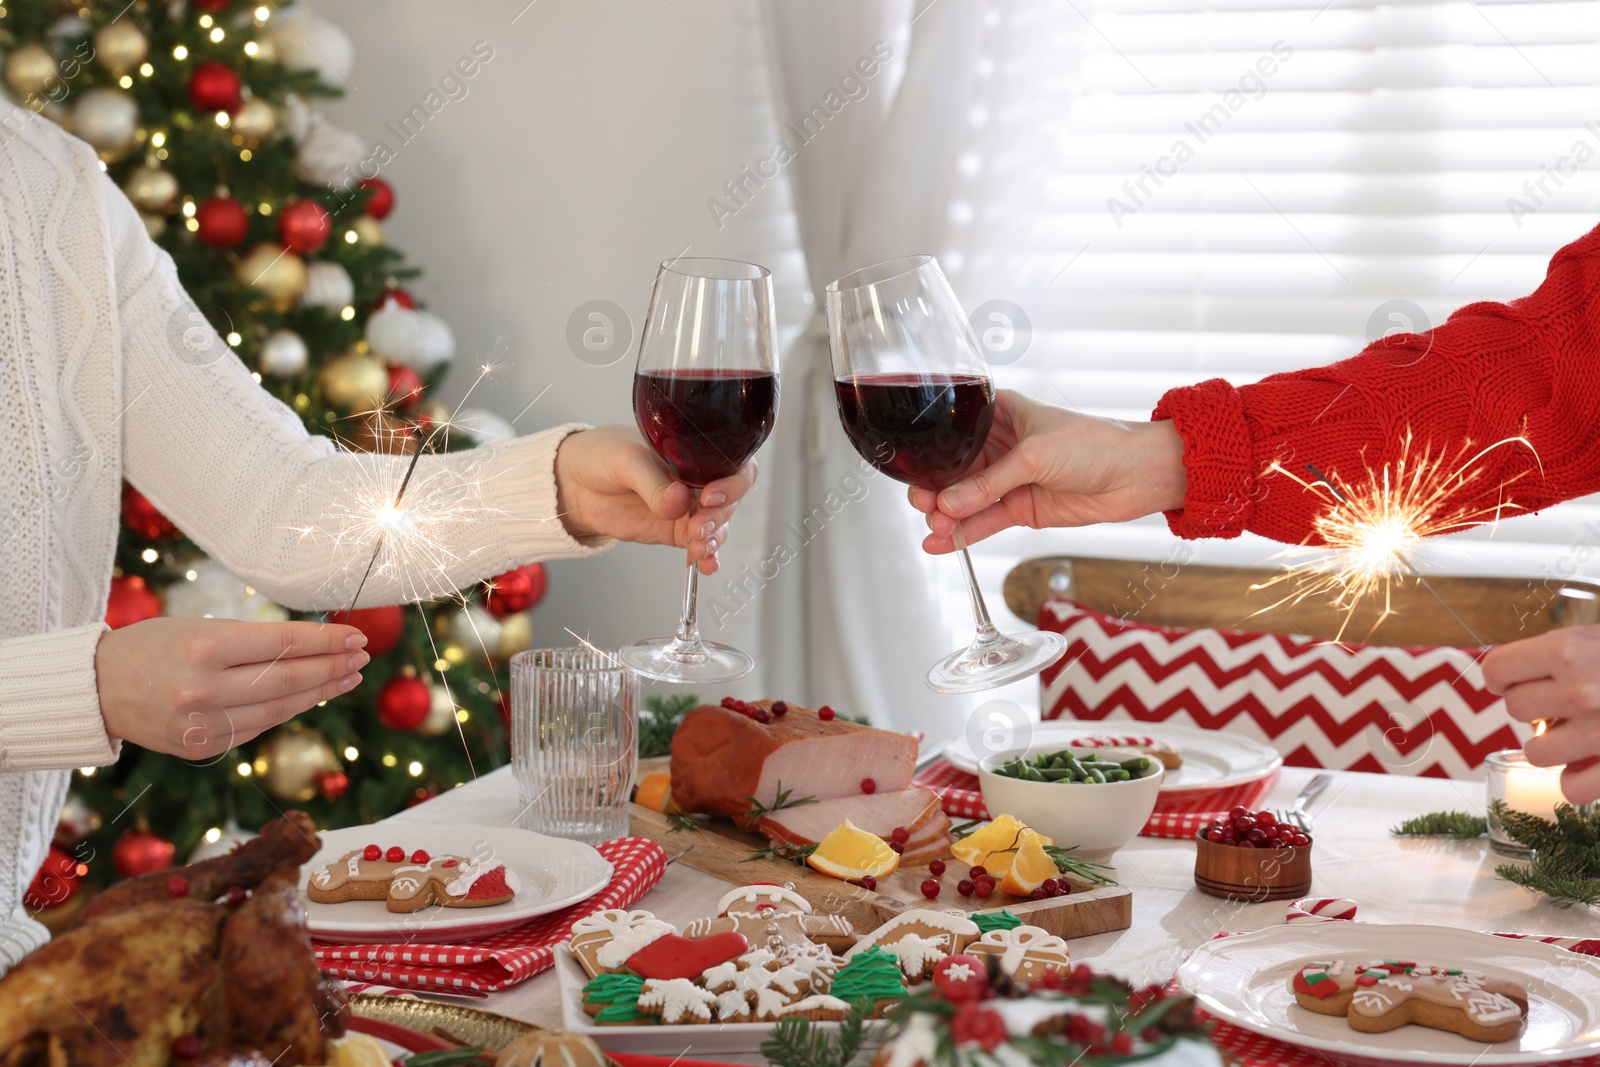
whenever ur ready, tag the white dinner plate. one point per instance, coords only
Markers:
(1212, 759)
(552, 873)
(1244, 979)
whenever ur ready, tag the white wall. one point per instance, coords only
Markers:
(583, 154)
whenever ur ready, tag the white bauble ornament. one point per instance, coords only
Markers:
(69, 28)
(484, 426)
(296, 116)
(231, 837)
(284, 354)
(328, 285)
(435, 343)
(304, 40)
(394, 332)
(330, 156)
(441, 712)
(107, 119)
(475, 630)
(214, 593)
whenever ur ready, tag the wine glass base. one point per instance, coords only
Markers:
(665, 659)
(989, 664)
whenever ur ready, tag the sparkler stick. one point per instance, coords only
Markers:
(377, 549)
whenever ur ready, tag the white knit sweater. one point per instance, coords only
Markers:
(102, 376)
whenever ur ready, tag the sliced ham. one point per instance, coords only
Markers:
(877, 813)
(721, 758)
(931, 842)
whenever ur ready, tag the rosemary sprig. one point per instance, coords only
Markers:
(1085, 870)
(795, 854)
(677, 820)
(965, 829)
(455, 1057)
(1458, 824)
(781, 800)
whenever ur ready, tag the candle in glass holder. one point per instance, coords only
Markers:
(1524, 788)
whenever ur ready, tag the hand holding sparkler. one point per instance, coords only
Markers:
(1553, 681)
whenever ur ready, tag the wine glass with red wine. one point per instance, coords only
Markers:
(705, 395)
(917, 402)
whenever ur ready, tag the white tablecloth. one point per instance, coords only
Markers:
(1394, 880)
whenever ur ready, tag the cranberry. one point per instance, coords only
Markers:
(372, 852)
(780, 707)
(1257, 837)
(177, 886)
(977, 872)
(1065, 888)
(900, 834)
(1050, 886)
(1228, 837)
(1244, 823)
(1237, 811)
(936, 867)
(1038, 893)
(825, 713)
(899, 847)
(868, 882)
(1122, 1043)
(185, 1047)
(1300, 841)
(1266, 820)
(965, 887)
(730, 703)
(983, 887)
(930, 887)
(1245, 843)
(741, 707)
(761, 715)
(868, 786)
(420, 856)
(395, 855)
(236, 895)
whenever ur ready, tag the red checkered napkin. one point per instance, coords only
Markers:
(1175, 816)
(506, 958)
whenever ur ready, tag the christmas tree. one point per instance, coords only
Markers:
(205, 113)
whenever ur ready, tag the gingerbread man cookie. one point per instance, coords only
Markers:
(1024, 953)
(918, 939)
(774, 916)
(1383, 995)
(602, 942)
(407, 883)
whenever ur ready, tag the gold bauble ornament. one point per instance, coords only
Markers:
(433, 413)
(368, 230)
(289, 760)
(278, 273)
(516, 634)
(151, 189)
(354, 382)
(254, 120)
(108, 119)
(120, 46)
(30, 70)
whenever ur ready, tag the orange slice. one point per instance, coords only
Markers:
(655, 792)
(850, 853)
(1030, 868)
(993, 847)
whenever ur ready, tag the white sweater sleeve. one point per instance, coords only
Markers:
(287, 511)
(50, 703)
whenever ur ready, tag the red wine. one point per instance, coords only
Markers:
(924, 429)
(704, 424)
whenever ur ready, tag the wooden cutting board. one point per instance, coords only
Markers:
(721, 849)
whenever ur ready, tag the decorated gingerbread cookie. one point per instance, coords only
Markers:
(773, 916)
(613, 1000)
(1384, 995)
(408, 882)
(602, 942)
(919, 939)
(819, 1007)
(677, 1000)
(754, 987)
(1023, 953)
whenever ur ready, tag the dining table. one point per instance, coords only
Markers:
(1428, 880)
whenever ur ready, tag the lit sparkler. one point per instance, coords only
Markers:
(1372, 528)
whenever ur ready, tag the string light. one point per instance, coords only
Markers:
(352, 753)
(213, 835)
(205, 21)
(180, 53)
(217, 35)
(145, 70)
(234, 339)
(87, 772)
(243, 769)
(414, 769)
(125, 81)
(347, 313)
(389, 760)
(251, 48)
(149, 555)
(222, 119)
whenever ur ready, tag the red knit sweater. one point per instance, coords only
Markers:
(1529, 367)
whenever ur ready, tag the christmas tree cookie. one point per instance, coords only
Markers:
(872, 975)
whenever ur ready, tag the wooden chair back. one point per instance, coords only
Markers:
(1441, 610)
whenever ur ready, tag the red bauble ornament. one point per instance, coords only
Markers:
(505, 708)
(222, 222)
(55, 884)
(398, 295)
(331, 784)
(141, 852)
(305, 226)
(405, 387)
(382, 201)
(142, 517)
(211, 5)
(404, 703)
(215, 87)
(130, 601)
(516, 590)
(383, 626)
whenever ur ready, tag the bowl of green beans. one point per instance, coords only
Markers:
(1092, 799)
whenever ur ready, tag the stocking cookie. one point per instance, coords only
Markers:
(774, 916)
(1384, 995)
(677, 1000)
(1023, 953)
(918, 939)
(602, 942)
(408, 882)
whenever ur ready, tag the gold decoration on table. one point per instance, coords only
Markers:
(469, 1025)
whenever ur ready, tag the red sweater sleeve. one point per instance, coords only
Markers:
(1530, 367)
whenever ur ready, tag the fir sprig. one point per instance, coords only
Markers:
(783, 798)
(795, 854)
(794, 1042)
(661, 719)
(1565, 864)
(1457, 824)
(467, 1056)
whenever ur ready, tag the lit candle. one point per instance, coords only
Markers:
(1530, 789)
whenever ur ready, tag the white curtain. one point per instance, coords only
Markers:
(859, 612)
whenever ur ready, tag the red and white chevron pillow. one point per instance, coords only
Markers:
(1419, 711)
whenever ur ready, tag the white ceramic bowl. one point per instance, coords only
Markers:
(1097, 818)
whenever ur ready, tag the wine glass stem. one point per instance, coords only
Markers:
(980, 610)
(689, 626)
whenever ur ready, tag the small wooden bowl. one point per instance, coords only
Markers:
(1251, 874)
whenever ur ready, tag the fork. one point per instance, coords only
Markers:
(1296, 813)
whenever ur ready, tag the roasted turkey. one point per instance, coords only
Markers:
(144, 967)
